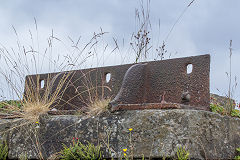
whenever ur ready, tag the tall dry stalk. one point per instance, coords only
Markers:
(231, 87)
(230, 78)
(141, 39)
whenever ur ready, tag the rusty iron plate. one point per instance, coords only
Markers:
(168, 80)
(132, 85)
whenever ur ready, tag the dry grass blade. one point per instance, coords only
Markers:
(178, 19)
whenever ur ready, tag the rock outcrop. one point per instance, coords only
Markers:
(155, 133)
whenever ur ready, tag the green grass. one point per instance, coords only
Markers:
(79, 151)
(3, 150)
(182, 154)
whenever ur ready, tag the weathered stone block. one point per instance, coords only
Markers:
(156, 133)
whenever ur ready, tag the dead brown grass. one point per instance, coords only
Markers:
(98, 106)
(32, 111)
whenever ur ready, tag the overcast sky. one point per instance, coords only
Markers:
(206, 27)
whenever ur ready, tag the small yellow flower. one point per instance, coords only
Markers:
(125, 154)
(130, 129)
(37, 122)
(125, 150)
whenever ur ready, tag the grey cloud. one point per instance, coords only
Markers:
(206, 27)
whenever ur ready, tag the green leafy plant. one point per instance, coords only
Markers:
(3, 150)
(182, 154)
(235, 113)
(79, 151)
(238, 156)
(217, 108)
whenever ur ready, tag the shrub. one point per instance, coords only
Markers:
(79, 151)
(3, 150)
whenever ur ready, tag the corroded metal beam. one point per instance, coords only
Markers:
(156, 84)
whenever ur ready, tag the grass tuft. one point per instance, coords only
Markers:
(32, 111)
(3, 150)
(98, 106)
(182, 154)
